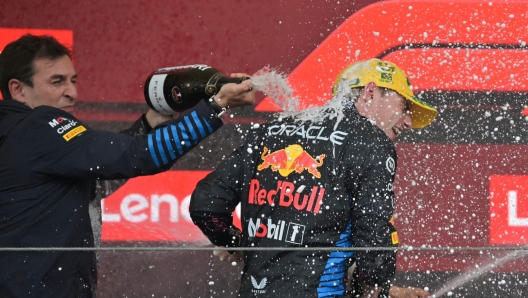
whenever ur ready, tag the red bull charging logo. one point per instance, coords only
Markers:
(289, 159)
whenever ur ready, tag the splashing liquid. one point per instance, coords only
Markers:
(275, 85)
(472, 274)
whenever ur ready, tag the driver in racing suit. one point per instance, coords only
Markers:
(322, 181)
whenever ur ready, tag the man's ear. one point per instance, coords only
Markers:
(369, 90)
(16, 88)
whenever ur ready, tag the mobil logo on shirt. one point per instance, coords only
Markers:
(277, 230)
(289, 159)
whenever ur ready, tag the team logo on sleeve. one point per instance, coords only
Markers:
(58, 121)
(69, 128)
(74, 132)
(391, 165)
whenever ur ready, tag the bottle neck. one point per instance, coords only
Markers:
(217, 81)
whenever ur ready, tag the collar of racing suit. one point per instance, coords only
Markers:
(8, 108)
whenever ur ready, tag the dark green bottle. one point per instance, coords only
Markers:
(175, 89)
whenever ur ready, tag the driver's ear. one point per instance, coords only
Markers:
(369, 90)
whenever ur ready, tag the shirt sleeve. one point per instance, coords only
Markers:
(372, 209)
(62, 146)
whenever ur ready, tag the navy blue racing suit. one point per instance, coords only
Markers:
(305, 185)
(49, 160)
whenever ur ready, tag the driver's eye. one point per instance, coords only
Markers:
(407, 107)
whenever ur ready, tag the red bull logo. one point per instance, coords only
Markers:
(287, 194)
(289, 159)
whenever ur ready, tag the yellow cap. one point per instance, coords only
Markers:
(388, 75)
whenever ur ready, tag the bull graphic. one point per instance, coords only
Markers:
(289, 159)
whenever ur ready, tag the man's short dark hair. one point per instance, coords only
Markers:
(17, 58)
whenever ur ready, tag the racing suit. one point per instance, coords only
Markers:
(49, 159)
(305, 185)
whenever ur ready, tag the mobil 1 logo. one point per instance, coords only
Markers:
(295, 233)
(279, 230)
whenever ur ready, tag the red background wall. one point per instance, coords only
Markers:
(118, 43)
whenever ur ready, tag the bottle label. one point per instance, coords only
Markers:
(198, 66)
(156, 96)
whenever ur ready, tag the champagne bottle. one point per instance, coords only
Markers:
(175, 89)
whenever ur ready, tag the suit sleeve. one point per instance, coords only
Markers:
(104, 188)
(214, 200)
(138, 128)
(372, 209)
(62, 146)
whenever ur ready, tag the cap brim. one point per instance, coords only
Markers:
(421, 115)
